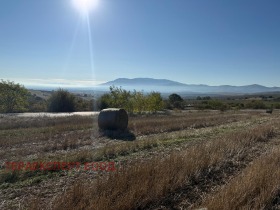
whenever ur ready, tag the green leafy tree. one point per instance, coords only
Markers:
(139, 102)
(121, 98)
(105, 101)
(61, 101)
(133, 102)
(13, 97)
(175, 97)
(155, 102)
(176, 101)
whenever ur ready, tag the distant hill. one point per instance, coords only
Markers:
(164, 85)
(144, 81)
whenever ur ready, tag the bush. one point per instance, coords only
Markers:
(104, 101)
(13, 97)
(277, 106)
(213, 104)
(256, 105)
(36, 103)
(61, 101)
(176, 101)
(84, 105)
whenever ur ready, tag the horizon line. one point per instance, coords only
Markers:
(58, 82)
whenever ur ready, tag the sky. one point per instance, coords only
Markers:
(214, 42)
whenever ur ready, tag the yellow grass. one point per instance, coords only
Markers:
(141, 184)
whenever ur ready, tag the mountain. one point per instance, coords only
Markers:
(143, 81)
(164, 85)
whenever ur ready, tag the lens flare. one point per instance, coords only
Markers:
(84, 6)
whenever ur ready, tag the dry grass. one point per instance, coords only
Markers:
(34, 131)
(28, 136)
(13, 122)
(150, 124)
(255, 188)
(141, 184)
(112, 151)
(207, 145)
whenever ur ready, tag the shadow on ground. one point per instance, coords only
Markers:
(124, 135)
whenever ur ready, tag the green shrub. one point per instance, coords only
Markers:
(36, 104)
(213, 104)
(256, 104)
(176, 101)
(61, 101)
(277, 106)
(13, 97)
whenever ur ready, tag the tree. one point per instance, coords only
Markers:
(176, 101)
(154, 102)
(133, 102)
(139, 102)
(104, 101)
(61, 101)
(121, 98)
(13, 97)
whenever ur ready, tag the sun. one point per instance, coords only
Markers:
(84, 6)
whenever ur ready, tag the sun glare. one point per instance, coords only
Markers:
(84, 6)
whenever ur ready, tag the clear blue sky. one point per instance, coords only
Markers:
(215, 42)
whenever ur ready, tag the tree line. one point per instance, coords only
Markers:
(16, 98)
(132, 101)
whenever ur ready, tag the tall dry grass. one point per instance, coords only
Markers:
(38, 130)
(255, 188)
(140, 185)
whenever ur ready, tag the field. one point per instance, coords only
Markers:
(176, 160)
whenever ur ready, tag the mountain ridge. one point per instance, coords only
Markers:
(158, 84)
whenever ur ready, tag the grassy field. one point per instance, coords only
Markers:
(181, 160)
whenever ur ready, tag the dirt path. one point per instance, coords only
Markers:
(47, 114)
